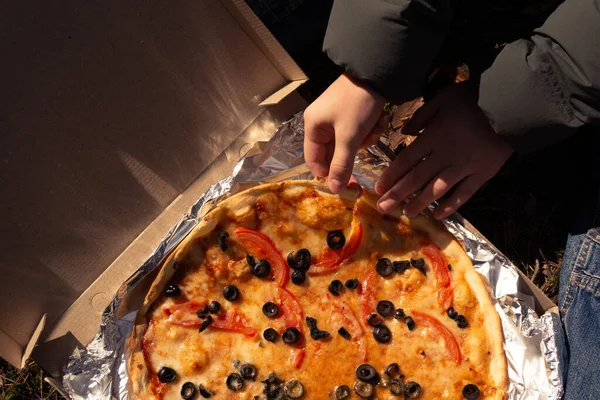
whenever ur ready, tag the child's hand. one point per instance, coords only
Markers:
(457, 147)
(347, 116)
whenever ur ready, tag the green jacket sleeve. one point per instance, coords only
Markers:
(542, 90)
(389, 44)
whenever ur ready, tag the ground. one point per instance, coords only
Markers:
(26, 384)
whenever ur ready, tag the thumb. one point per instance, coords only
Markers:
(421, 118)
(340, 170)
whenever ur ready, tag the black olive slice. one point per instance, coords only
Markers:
(316, 335)
(344, 333)
(363, 389)
(471, 392)
(335, 287)
(234, 382)
(294, 389)
(270, 335)
(203, 392)
(385, 308)
(419, 264)
(272, 387)
(202, 313)
(392, 370)
(342, 392)
(452, 314)
(188, 390)
(222, 239)
(410, 323)
(290, 335)
(366, 373)
(166, 374)
(261, 269)
(461, 321)
(399, 314)
(412, 390)
(214, 307)
(172, 291)
(351, 283)
(374, 320)
(401, 266)
(270, 309)
(298, 277)
(384, 267)
(336, 240)
(231, 293)
(207, 321)
(248, 372)
(301, 260)
(315, 332)
(396, 388)
(382, 334)
(273, 379)
(250, 260)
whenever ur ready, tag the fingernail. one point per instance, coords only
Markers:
(408, 213)
(379, 189)
(386, 205)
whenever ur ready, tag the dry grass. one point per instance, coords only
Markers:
(25, 384)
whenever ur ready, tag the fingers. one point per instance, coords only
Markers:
(405, 161)
(411, 183)
(315, 155)
(465, 190)
(438, 187)
(421, 118)
(316, 140)
(342, 161)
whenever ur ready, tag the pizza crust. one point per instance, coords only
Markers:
(434, 230)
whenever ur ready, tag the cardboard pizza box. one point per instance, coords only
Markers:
(114, 118)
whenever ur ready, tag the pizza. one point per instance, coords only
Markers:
(287, 291)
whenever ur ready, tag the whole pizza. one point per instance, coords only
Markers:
(287, 291)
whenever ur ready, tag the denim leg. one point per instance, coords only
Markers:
(579, 302)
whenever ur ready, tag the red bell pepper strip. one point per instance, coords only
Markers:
(235, 322)
(291, 309)
(353, 326)
(184, 314)
(261, 246)
(439, 266)
(366, 292)
(439, 330)
(296, 357)
(329, 260)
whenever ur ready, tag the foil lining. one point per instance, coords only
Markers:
(534, 344)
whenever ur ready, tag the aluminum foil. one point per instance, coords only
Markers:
(534, 344)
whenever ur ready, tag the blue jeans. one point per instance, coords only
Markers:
(579, 302)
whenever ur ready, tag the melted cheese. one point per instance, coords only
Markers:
(295, 220)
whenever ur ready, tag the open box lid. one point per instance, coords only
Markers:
(115, 117)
